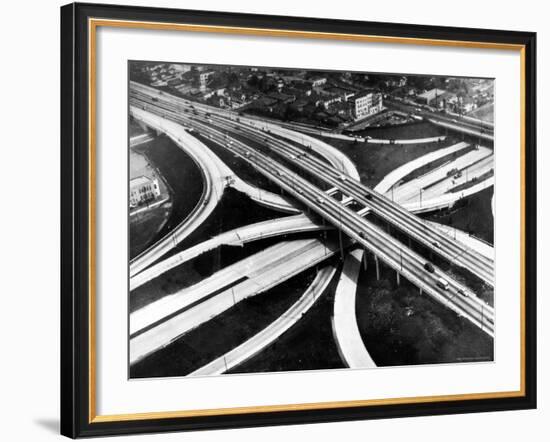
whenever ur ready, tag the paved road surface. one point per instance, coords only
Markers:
(163, 321)
(438, 176)
(236, 237)
(261, 340)
(396, 175)
(346, 332)
(215, 173)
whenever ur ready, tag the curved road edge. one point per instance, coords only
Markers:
(215, 173)
(346, 333)
(265, 337)
(235, 237)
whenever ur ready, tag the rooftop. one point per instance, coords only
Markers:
(432, 93)
(139, 181)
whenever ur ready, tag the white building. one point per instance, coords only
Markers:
(204, 76)
(182, 68)
(318, 81)
(366, 104)
(142, 190)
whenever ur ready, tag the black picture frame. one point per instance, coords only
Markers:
(76, 403)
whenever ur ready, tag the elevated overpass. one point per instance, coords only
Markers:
(396, 255)
(393, 213)
(268, 335)
(384, 207)
(156, 325)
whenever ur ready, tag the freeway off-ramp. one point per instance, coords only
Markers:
(332, 209)
(159, 323)
(235, 237)
(391, 212)
(395, 254)
(346, 332)
(261, 340)
(215, 173)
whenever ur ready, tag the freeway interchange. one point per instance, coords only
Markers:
(319, 184)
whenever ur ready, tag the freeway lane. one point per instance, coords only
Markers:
(213, 189)
(389, 210)
(215, 174)
(395, 176)
(235, 237)
(344, 323)
(432, 188)
(468, 164)
(261, 340)
(262, 271)
(390, 250)
(395, 254)
(181, 105)
(228, 276)
(448, 199)
(468, 125)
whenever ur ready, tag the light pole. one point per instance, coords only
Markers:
(340, 235)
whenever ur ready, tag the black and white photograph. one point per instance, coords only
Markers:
(292, 219)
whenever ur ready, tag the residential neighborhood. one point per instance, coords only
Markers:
(335, 100)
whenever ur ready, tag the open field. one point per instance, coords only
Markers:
(375, 161)
(402, 327)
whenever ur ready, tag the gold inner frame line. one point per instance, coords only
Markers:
(93, 24)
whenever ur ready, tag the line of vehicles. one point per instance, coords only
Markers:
(442, 283)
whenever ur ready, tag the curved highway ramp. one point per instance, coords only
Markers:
(261, 340)
(159, 323)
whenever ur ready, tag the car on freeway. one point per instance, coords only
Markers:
(462, 293)
(342, 177)
(443, 284)
(436, 244)
(368, 196)
(429, 267)
(362, 234)
(319, 200)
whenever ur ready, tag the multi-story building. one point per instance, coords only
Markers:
(365, 104)
(142, 190)
(436, 98)
(317, 81)
(204, 76)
